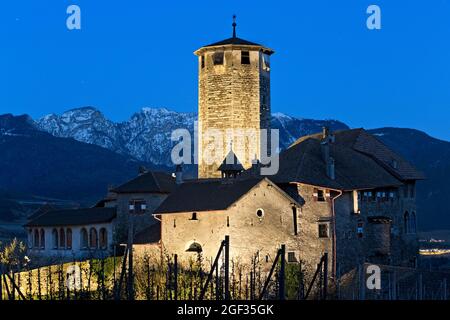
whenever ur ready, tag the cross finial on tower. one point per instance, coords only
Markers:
(234, 26)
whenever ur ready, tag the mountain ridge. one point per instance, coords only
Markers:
(145, 139)
(146, 134)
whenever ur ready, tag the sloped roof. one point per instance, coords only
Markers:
(44, 209)
(73, 217)
(207, 195)
(369, 144)
(151, 234)
(234, 166)
(149, 182)
(366, 143)
(303, 162)
(235, 41)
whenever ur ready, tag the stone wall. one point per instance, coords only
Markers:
(249, 234)
(232, 96)
(153, 200)
(312, 213)
(382, 241)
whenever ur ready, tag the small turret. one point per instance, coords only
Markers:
(231, 167)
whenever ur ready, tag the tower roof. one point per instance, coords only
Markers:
(234, 41)
(234, 166)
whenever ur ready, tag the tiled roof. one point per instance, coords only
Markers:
(44, 209)
(156, 182)
(365, 143)
(303, 162)
(235, 41)
(73, 217)
(207, 195)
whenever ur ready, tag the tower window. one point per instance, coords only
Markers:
(319, 195)
(202, 59)
(323, 230)
(218, 58)
(194, 216)
(245, 57)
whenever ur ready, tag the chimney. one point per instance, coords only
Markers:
(327, 139)
(179, 174)
(325, 132)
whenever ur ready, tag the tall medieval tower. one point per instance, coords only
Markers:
(234, 94)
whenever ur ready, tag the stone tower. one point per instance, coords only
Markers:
(234, 102)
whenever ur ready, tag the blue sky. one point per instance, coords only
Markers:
(327, 65)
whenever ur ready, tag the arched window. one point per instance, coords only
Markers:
(103, 238)
(62, 239)
(55, 239)
(93, 243)
(36, 239)
(412, 222)
(194, 247)
(406, 224)
(83, 239)
(69, 239)
(42, 243)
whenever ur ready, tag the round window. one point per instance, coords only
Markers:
(260, 213)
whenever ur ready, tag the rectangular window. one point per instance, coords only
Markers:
(291, 257)
(218, 58)
(202, 61)
(360, 230)
(294, 216)
(323, 230)
(368, 195)
(320, 195)
(137, 206)
(245, 57)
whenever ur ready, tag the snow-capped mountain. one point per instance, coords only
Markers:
(86, 125)
(146, 135)
(291, 128)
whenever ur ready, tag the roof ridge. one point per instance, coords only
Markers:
(391, 171)
(156, 180)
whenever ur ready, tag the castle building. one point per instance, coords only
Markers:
(234, 101)
(343, 193)
(61, 235)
